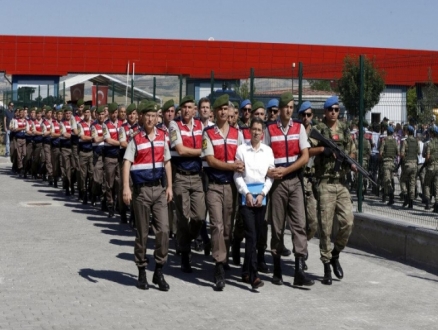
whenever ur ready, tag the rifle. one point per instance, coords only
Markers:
(340, 155)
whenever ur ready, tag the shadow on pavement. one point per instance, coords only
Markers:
(93, 275)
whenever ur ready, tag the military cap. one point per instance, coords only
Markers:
(100, 108)
(236, 104)
(86, 107)
(257, 105)
(221, 101)
(112, 107)
(150, 107)
(244, 103)
(187, 98)
(332, 100)
(39, 110)
(411, 129)
(167, 105)
(48, 108)
(285, 98)
(80, 102)
(390, 130)
(304, 106)
(131, 108)
(66, 108)
(59, 110)
(272, 103)
(142, 106)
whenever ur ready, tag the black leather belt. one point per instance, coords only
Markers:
(218, 182)
(148, 184)
(179, 171)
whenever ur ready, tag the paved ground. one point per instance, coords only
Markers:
(65, 266)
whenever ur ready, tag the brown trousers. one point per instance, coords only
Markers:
(145, 200)
(21, 152)
(287, 204)
(98, 175)
(311, 207)
(86, 168)
(112, 174)
(13, 150)
(56, 161)
(66, 165)
(28, 158)
(37, 158)
(188, 194)
(48, 159)
(221, 207)
(75, 165)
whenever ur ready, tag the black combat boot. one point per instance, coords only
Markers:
(383, 198)
(103, 205)
(435, 208)
(411, 204)
(110, 211)
(391, 199)
(185, 263)
(406, 201)
(72, 188)
(337, 269)
(85, 197)
(300, 277)
(327, 280)
(158, 278)
(142, 280)
(219, 277)
(427, 202)
(277, 278)
(67, 191)
(50, 180)
(235, 252)
(55, 182)
(123, 217)
(261, 264)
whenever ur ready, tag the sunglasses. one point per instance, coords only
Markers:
(306, 114)
(333, 109)
(273, 111)
(246, 109)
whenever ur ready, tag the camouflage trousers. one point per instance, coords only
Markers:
(430, 178)
(311, 207)
(333, 199)
(409, 177)
(387, 182)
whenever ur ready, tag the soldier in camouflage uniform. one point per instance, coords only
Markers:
(332, 193)
(403, 182)
(409, 151)
(366, 154)
(388, 151)
(431, 155)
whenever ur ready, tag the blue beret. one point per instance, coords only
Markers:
(272, 103)
(244, 103)
(390, 129)
(411, 129)
(306, 105)
(332, 100)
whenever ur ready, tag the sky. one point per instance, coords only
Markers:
(369, 23)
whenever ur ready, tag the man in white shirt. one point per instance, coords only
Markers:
(258, 159)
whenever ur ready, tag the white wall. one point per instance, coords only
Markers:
(392, 105)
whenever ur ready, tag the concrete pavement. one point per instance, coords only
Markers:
(66, 266)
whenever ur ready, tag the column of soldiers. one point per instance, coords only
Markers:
(191, 162)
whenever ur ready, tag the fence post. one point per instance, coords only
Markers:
(112, 88)
(251, 85)
(211, 86)
(63, 93)
(39, 95)
(361, 115)
(155, 88)
(180, 89)
(97, 95)
(300, 84)
(132, 90)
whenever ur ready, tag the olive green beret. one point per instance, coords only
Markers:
(144, 101)
(86, 107)
(257, 105)
(167, 105)
(112, 107)
(141, 106)
(285, 98)
(100, 108)
(151, 106)
(39, 110)
(236, 104)
(48, 108)
(59, 110)
(187, 98)
(80, 102)
(131, 108)
(66, 108)
(221, 101)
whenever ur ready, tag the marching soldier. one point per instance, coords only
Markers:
(388, 151)
(409, 151)
(146, 160)
(85, 148)
(37, 130)
(288, 140)
(126, 133)
(19, 126)
(75, 166)
(29, 142)
(46, 130)
(430, 153)
(56, 156)
(186, 148)
(333, 194)
(98, 144)
(111, 154)
(219, 146)
(245, 108)
(66, 152)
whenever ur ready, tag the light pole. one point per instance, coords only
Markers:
(293, 73)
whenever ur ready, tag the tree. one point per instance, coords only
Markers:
(320, 85)
(411, 103)
(243, 90)
(25, 93)
(349, 84)
(429, 100)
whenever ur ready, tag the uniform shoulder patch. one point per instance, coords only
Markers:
(173, 135)
(204, 144)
